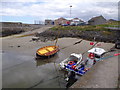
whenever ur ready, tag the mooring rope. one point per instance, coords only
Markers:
(109, 56)
(90, 48)
(57, 75)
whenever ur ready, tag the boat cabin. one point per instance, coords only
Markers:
(98, 52)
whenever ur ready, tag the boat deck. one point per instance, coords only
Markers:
(48, 50)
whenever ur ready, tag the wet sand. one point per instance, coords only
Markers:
(24, 71)
(20, 69)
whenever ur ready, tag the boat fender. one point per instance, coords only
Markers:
(91, 56)
(117, 54)
(71, 62)
(74, 67)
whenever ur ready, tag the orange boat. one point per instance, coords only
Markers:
(47, 51)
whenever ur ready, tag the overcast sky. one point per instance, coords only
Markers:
(27, 11)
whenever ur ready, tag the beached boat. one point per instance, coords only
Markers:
(72, 63)
(98, 52)
(73, 59)
(47, 51)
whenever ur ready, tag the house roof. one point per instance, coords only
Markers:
(48, 20)
(61, 18)
(77, 19)
(95, 18)
(111, 20)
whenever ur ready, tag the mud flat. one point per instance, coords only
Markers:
(20, 69)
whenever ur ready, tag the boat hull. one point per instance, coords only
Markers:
(47, 51)
(40, 56)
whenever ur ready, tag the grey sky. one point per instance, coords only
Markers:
(52, 9)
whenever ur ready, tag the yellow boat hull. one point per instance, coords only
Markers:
(47, 51)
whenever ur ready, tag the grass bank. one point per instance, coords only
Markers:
(101, 27)
(88, 32)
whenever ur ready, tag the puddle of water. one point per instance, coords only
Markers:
(10, 59)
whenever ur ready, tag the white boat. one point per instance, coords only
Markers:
(73, 59)
(98, 52)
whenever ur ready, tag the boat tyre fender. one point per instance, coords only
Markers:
(71, 62)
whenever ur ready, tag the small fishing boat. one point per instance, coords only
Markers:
(98, 52)
(73, 63)
(73, 59)
(47, 51)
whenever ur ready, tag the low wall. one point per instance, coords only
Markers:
(10, 28)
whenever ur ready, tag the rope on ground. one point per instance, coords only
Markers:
(90, 48)
(72, 44)
(117, 54)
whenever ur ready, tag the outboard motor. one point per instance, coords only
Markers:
(71, 79)
(117, 44)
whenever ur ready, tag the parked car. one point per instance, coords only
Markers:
(64, 24)
(72, 24)
(81, 24)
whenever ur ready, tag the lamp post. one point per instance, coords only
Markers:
(70, 10)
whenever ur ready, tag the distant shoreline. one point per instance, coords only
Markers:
(91, 33)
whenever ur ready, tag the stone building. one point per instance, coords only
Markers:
(97, 20)
(49, 22)
(61, 21)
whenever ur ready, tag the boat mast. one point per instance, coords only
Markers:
(70, 10)
(56, 41)
(57, 37)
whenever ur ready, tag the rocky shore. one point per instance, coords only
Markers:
(101, 36)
